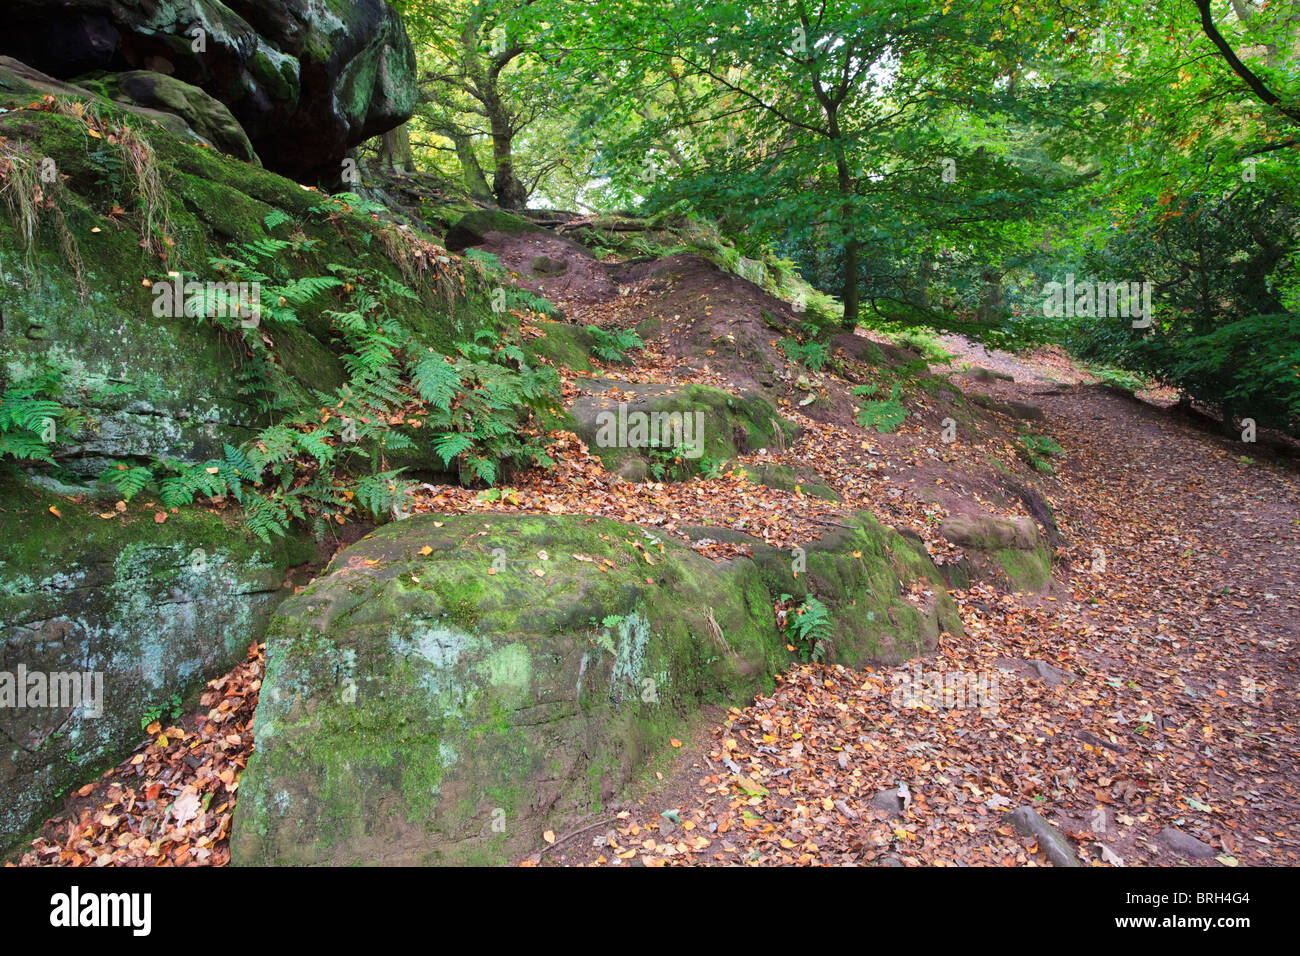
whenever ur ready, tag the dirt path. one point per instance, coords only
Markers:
(1154, 686)
(1175, 634)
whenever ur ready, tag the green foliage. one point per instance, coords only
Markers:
(277, 217)
(346, 203)
(128, 480)
(170, 708)
(810, 627)
(926, 343)
(1039, 449)
(476, 404)
(487, 260)
(603, 631)
(306, 466)
(1118, 378)
(33, 416)
(884, 415)
(522, 299)
(811, 354)
(516, 299)
(667, 464)
(818, 145)
(614, 344)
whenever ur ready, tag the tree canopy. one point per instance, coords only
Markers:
(927, 163)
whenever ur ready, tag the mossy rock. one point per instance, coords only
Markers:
(419, 708)
(981, 374)
(306, 80)
(861, 570)
(548, 266)
(184, 374)
(1028, 571)
(474, 228)
(566, 346)
(206, 116)
(456, 685)
(1024, 411)
(784, 478)
(155, 608)
(1006, 551)
(625, 420)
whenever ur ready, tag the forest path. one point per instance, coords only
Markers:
(1153, 686)
(1175, 617)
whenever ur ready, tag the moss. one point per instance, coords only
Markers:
(786, 479)
(566, 686)
(527, 699)
(728, 425)
(859, 572)
(155, 608)
(472, 228)
(230, 215)
(280, 80)
(566, 346)
(1025, 570)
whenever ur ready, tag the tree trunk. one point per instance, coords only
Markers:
(395, 150)
(509, 191)
(851, 283)
(475, 181)
(850, 245)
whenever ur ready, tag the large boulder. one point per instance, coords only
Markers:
(24, 83)
(438, 707)
(1010, 550)
(307, 79)
(150, 610)
(804, 481)
(168, 385)
(676, 430)
(887, 600)
(454, 686)
(208, 117)
(122, 596)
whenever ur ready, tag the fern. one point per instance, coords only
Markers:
(451, 446)
(129, 481)
(487, 260)
(885, 416)
(25, 446)
(810, 626)
(478, 404)
(32, 417)
(436, 380)
(484, 469)
(383, 492)
(301, 291)
(313, 443)
(190, 481)
(811, 354)
(614, 346)
(264, 517)
(277, 217)
(265, 248)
